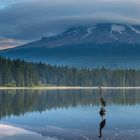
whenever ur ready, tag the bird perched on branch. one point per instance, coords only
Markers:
(102, 101)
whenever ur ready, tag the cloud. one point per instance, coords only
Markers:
(31, 19)
(6, 43)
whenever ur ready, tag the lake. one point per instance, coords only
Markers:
(69, 115)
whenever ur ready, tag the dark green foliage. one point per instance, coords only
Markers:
(21, 73)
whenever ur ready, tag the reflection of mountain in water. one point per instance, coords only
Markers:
(21, 101)
(84, 135)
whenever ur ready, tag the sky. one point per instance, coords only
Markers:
(23, 21)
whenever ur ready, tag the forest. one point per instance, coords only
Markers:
(21, 73)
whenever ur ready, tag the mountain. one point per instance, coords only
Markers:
(109, 45)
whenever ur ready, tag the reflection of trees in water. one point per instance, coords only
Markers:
(20, 101)
(102, 125)
(102, 112)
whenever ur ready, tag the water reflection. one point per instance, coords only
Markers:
(102, 125)
(102, 112)
(8, 132)
(73, 114)
(21, 101)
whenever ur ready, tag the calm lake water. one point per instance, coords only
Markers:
(69, 115)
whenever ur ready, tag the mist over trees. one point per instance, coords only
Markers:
(21, 73)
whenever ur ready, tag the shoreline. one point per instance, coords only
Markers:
(62, 88)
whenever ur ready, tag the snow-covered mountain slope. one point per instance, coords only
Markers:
(110, 45)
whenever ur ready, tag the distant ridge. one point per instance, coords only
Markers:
(109, 45)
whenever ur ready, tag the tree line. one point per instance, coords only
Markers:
(22, 73)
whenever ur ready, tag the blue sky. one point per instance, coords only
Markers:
(22, 21)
